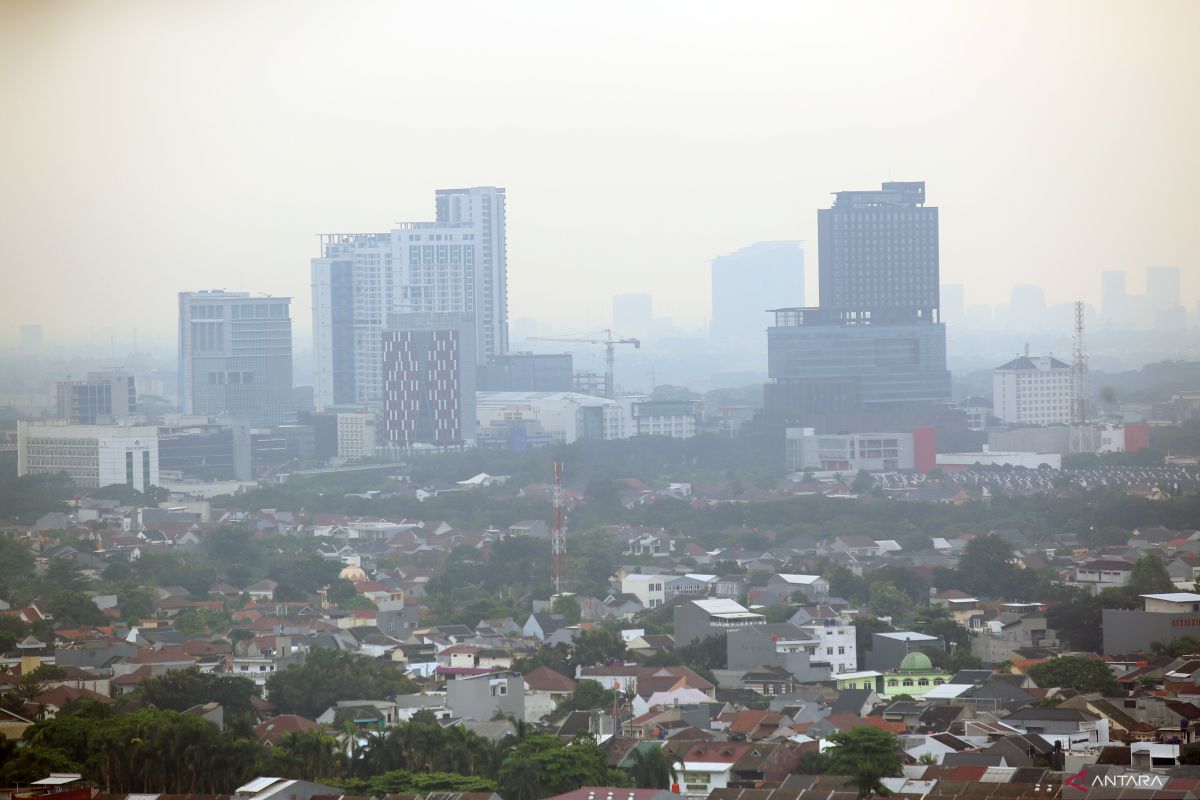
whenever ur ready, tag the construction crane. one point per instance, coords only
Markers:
(610, 341)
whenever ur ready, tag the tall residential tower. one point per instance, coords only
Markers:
(455, 265)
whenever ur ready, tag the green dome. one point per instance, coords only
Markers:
(916, 662)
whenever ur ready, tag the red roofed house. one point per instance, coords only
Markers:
(544, 690)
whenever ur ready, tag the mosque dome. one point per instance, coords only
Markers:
(916, 662)
(352, 573)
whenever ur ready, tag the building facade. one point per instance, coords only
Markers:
(235, 356)
(429, 380)
(829, 362)
(456, 264)
(101, 398)
(879, 250)
(875, 349)
(673, 418)
(527, 372)
(1034, 390)
(562, 417)
(92, 456)
(356, 435)
(848, 452)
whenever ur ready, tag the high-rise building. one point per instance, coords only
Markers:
(758, 276)
(1114, 298)
(484, 208)
(457, 264)
(92, 456)
(235, 356)
(1162, 288)
(429, 380)
(1034, 390)
(1026, 308)
(100, 398)
(873, 356)
(879, 250)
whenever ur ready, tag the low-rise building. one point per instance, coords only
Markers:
(699, 619)
(1163, 618)
(92, 456)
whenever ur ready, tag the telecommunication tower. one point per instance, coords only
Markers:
(1081, 438)
(558, 537)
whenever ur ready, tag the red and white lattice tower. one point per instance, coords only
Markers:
(558, 537)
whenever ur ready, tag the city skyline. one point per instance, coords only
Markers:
(226, 205)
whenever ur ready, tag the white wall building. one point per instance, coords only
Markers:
(356, 435)
(993, 458)
(93, 456)
(847, 452)
(566, 416)
(456, 264)
(673, 418)
(837, 644)
(1033, 390)
(649, 589)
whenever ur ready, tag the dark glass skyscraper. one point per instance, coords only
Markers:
(879, 250)
(873, 355)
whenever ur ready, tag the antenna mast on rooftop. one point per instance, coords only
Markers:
(558, 537)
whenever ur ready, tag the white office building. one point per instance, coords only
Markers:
(92, 456)
(1033, 390)
(847, 452)
(455, 264)
(356, 435)
(564, 416)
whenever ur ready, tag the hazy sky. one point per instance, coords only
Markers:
(150, 147)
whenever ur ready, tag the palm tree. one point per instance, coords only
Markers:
(520, 779)
(654, 767)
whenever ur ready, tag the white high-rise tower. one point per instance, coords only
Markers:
(456, 264)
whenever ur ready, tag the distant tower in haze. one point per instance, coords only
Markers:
(953, 304)
(1114, 298)
(759, 276)
(1026, 308)
(235, 356)
(633, 314)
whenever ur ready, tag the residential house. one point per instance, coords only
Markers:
(814, 587)
(1103, 573)
(481, 697)
(544, 690)
(856, 545)
(542, 626)
(1184, 571)
(1073, 728)
(650, 590)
